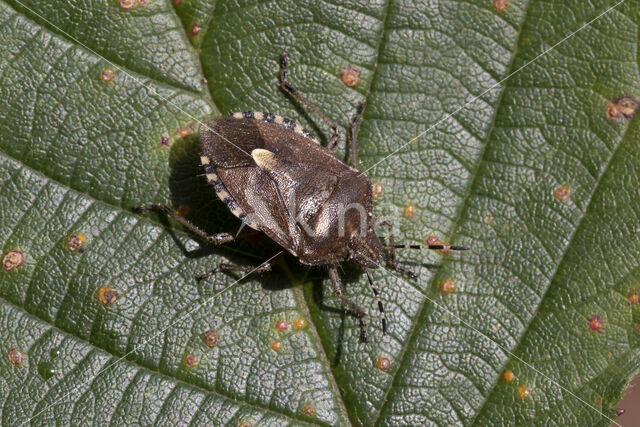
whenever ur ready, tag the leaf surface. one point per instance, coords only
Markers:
(480, 121)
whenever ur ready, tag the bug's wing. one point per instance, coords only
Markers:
(228, 142)
(303, 188)
(260, 201)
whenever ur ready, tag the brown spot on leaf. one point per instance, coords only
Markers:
(75, 242)
(300, 323)
(190, 360)
(447, 286)
(127, 4)
(409, 211)
(523, 391)
(15, 356)
(210, 338)
(596, 323)
(384, 364)
(562, 193)
(107, 296)
(500, 5)
(350, 76)
(183, 132)
(623, 108)
(245, 424)
(508, 376)
(633, 297)
(276, 345)
(281, 325)
(309, 410)
(107, 75)
(377, 190)
(12, 260)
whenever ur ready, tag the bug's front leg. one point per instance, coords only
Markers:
(336, 284)
(288, 88)
(216, 239)
(351, 136)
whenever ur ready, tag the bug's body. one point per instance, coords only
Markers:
(278, 179)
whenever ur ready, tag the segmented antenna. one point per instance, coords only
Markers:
(380, 307)
(434, 247)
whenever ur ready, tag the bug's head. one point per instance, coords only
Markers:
(366, 250)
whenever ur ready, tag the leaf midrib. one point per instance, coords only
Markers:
(463, 207)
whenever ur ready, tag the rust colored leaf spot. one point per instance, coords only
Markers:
(164, 140)
(245, 424)
(508, 376)
(183, 211)
(447, 286)
(309, 410)
(75, 242)
(523, 391)
(12, 260)
(210, 338)
(15, 356)
(633, 297)
(183, 132)
(107, 75)
(127, 4)
(276, 345)
(300, 323)
(409, 211)
(281, 325)
(623, 108)
(377, 190)
(500, 5)
(596, 323)
(107, 296)
(350, 76)
(195, 30)
(562, 193)
(190, 360)
(176, 2)
(384, 364)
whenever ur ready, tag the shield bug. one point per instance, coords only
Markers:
(276, 177)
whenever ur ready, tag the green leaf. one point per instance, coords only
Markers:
(481, 120)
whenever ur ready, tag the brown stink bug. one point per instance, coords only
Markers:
(276, 177)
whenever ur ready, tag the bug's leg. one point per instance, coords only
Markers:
(286, 86)
(351, 136)
(391, 261)
(216, 239)
(264, 267)
(336, 284)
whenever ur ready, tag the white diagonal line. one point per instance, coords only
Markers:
(448, 116)
(468, 325)
(149, 337)
(152, 90)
